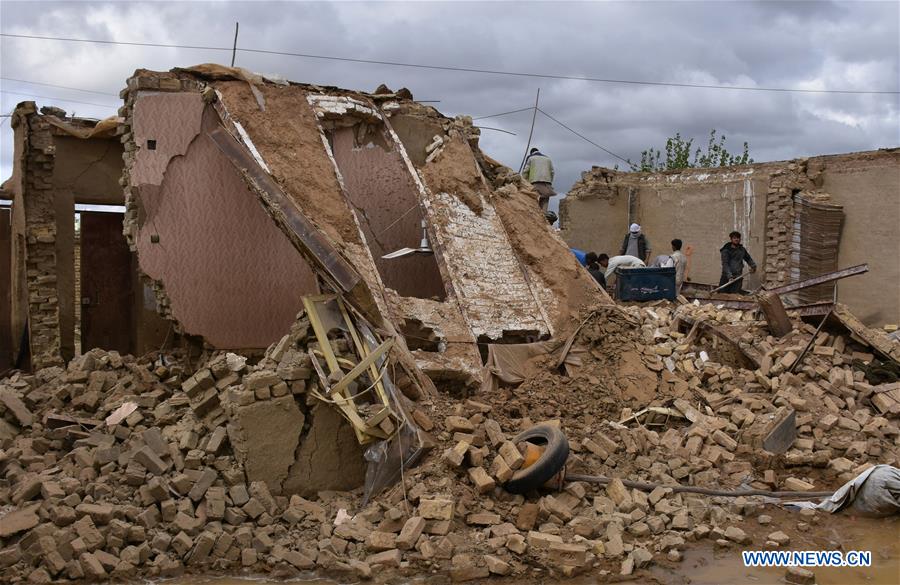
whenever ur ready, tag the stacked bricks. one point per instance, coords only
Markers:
(40, 252)
(780, 221)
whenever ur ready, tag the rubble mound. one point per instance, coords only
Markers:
(119, 467)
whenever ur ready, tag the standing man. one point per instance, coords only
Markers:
(636, 244)
(538, 171)
(680, 264)
(733, 257)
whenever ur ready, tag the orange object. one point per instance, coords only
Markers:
(532, 453)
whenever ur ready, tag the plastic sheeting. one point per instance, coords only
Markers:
(508, 363)
(875, 492)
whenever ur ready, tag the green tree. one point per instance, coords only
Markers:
(678, 155)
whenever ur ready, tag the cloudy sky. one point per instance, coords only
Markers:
(810, 45)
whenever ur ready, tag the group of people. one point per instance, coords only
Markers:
(635, 253)
(635, 249)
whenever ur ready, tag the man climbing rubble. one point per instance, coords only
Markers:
(733, 257)
(538, 170)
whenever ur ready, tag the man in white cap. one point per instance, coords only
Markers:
(636, 244)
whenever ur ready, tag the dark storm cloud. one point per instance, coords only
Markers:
(767, 44)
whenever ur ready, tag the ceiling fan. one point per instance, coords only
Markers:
(424, 247)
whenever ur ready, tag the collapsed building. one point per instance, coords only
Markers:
(64, 286)
(799, 219)
(346, 283)
(347, 178)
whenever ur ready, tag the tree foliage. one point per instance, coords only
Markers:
(678, 155)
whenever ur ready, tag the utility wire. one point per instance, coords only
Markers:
(528, 109)
(105, 42)
(59, 86)
(460, 69)
(44, 97)
(586, 139)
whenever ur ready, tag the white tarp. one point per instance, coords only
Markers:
(874, 492)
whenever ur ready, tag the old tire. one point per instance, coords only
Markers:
(556, 451)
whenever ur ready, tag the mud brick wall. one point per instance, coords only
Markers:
(490, 282)
(40, 237)
(701, 206)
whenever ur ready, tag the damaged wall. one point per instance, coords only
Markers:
(337, 166)
(60, 162)
(701, 206)
(229, 273)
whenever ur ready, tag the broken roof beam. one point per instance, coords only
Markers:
(821, 279)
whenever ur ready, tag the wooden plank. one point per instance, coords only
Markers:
(362, 366)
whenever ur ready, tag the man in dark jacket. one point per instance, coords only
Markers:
(733, 257)
(636, 244)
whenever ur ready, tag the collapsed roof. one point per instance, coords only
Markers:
(243, 194)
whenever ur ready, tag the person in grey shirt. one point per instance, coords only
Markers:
(636, 244)
(538, 171)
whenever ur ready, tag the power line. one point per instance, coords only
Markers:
(528, 109)
(585, 138)
(462, 69)
(104, 42)
(44, 97)
(59, 86)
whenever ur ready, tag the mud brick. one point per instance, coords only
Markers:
(620, 495)
(595, 448)
(149, 518)
(261, 379)
(388, 558)
(464, 568)
(605, 442)
(483, 482)
(494, 433)
(501, 470)
(724, 440)
(51, 490)
(238, 494)
(456, 454)
(206, 402)
(88, 533)
(181, 544)
(203, 545)
(542, 541)
(527, 516)
(198, 383)
(260, 491)
(436, 509)
(380, 541)
(571, 555)
(511, 455)
(458, 424)
(215, 503)
(295, 558)
(91, 567)
(253, 508)
(202, 484)
(423, 420)
(215, 440)
(792, 484)
(151, 461)
(483, 519)
(410, 533)
(99, 513)
(154, 439)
